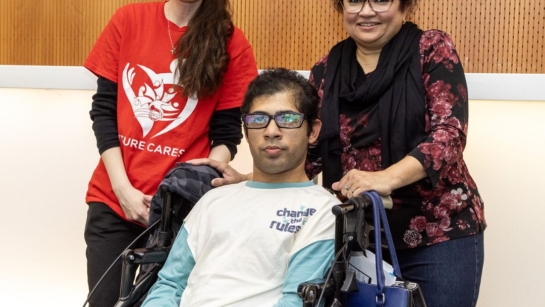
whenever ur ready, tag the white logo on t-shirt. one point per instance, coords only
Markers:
(291, 220)
(152, 103)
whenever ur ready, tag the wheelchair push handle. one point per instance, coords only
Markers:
(360, 201)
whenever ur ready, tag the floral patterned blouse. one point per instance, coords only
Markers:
(447, 204)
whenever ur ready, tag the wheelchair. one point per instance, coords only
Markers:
(351, 234)
(140, 267)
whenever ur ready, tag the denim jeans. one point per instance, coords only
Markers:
(449, 272)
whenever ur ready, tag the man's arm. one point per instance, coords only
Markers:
(172, 281)
(309, 263)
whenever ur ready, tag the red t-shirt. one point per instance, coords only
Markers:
(157, 127)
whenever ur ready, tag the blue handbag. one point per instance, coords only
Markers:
(401, 293)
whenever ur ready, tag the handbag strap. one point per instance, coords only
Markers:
(379, 214)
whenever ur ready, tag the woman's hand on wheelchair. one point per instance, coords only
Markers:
(356, 182)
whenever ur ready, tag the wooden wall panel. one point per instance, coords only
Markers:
(292, 34)
(52, 32)
(492, 36)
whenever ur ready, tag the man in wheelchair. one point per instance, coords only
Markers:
(253, 243)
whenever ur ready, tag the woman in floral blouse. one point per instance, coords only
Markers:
(394, 111)
(395, 115)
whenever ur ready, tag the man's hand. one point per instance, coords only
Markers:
(230, 175)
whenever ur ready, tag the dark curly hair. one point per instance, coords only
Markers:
(280, 80)
(202, 50)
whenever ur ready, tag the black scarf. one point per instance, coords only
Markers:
(396, 85)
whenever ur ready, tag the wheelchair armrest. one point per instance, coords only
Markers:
(133, 294)
(151, 255)
(131, 261)
(310, 291)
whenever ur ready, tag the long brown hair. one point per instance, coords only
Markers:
(202, 50)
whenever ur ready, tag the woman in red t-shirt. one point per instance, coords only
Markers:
(171, 79)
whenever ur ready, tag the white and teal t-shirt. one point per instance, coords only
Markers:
(249, 244)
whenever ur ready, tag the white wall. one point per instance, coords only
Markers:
(46, 158)
(505, 154)
(48, 153)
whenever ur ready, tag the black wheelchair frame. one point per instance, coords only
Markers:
(151, 259)
(351, 234)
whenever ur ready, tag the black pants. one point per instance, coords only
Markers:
(107, 235)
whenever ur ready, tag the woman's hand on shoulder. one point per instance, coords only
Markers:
(229, 174)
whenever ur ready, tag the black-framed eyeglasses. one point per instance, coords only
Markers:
(289, 120)
(356, 6)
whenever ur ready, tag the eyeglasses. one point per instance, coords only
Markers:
(289, 120)
(356, 6)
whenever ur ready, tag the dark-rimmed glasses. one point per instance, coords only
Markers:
(289, 120)
(356, 6)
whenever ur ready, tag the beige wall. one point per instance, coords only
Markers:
(48, 153)
(505, 154)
